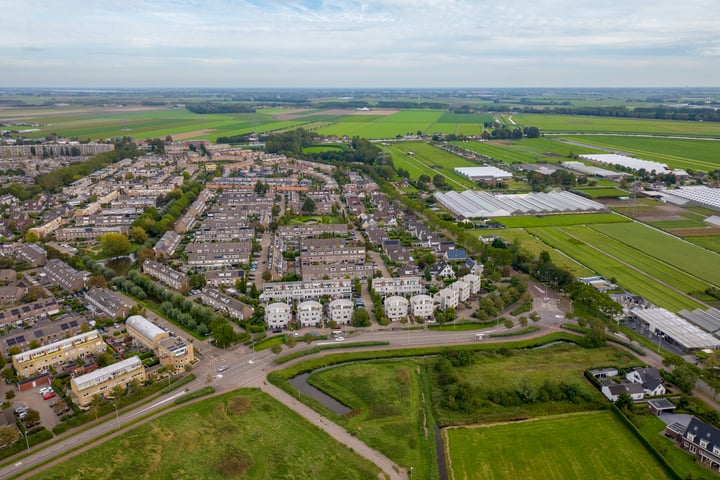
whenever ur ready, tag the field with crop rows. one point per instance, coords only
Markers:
(560, 220)
(602, 192)
(582, 124)
(528, 150)
(696, 154)
(430, 161)
(586, 445)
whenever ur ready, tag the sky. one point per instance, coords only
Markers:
(365, 44)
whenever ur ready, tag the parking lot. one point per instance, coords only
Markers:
(33, 399)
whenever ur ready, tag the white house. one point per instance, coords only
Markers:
(612, 392)
(396, 307)
(422, 306)
(447, 298)
(340, 311)
(443, 270)
(277, 315)
(463, 290)
(649, 378)
(309, 313)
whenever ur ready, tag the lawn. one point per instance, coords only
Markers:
(242, 434)
(561, 220)
(388, 409)
(675, 152)
(632, 280)
(588, 445)
(580, 124)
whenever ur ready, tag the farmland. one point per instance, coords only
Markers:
(560, 220)
(430, 161)
(602, 192)
(552, 448)
(635, 281)
(528, 150)
(582, 124)
(231, 436)
(675, 152)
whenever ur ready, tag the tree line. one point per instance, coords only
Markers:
(209, 107)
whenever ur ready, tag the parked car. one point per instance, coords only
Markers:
(45, 390)
(222, 368)
(49, 395)
(339, 339)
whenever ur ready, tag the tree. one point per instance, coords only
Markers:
(308, 206)
(32, 417)
(197, 281)
(114, 244)
(138, 234)
(361, 318)
(685, 377)
(223, 333)
(534, 316)
(624, 402)
(439, 181)
(9, 434)
(267, 276)
(103, 359)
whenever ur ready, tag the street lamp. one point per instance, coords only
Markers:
(27, 442)
(117, 414)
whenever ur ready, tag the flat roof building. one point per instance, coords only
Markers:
(145, 332)
(103, 380)
(39, 360)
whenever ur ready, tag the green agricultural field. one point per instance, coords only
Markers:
(711, 242)
(535, 246)
(242, 434)
(561, 220)
(653, 266)
(322, 148)
(581, 124)
(430, 161)
(675, 152)
(685, 256)
(492, 374)
(582, 446)
(634, 281)
(528, 150)
(602, 192)
(388, 410)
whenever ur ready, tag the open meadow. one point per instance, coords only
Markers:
(388, 410)
(242, 434)
(430, 161)
(560, 220)
(527, 150)
(683, 153)
(583, 446)
(585, 124)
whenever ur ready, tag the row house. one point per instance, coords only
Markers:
(228, 305)
(107, 302)
(330, 250)
(306, 290)
(88, 232)
(396, 307)
(223, 231)
(40, 360)
(32, 253)
(310, 231)
(336, 270)
(386, 286)
(170, 277)
(223, 278)
(29, 313)
(168, 244)
(10, 295)
(218, 254)
(447, 298)
(48, 227)
(103, 381)
(44, 331)
(64, 276)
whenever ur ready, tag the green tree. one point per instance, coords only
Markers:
(114, 244)
(624, 402)
(361, 318)
(138, 234)
(685, 377)
(308, 206)
(223, 333)
(9, 434)
(32, 417)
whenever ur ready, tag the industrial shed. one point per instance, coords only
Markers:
(674, 329)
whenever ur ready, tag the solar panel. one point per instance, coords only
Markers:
(64, 326)
(38, 333)
(73, 323)
(20, 339)
(10, 341)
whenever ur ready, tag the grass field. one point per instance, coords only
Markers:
(528, 150)
(581, 124)
(711, 242)
(675, 152)
(430, 161)
(634, 281)
(561, 220)
(535, 246)
(387, 410)
(243, 434)
(583, 446)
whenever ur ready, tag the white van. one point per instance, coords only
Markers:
(479, 336)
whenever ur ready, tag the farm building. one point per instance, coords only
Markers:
(628, 162)
(708, 320)
(593, 171)
(713, 221)
(484, 174)
(476, 204)
(698, 196)
(674, 329)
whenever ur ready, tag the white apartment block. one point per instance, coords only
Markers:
(277, 315)
(422, 306)
(341, 311)
(463, 290)
(398, 286)
(474, 281)
(309, 313)
(396, 307)
(447, 298)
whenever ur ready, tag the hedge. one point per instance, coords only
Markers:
(196, 394)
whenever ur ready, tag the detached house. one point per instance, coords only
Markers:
(649, 378)
(612, 392)
(443, 270)
(703, 441)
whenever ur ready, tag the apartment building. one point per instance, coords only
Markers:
(314, 290)
(422, 306)
(309, 313)
(228, 305)
(217, 255)
(39, 360)
(386, 286)
(223, 278)
(105, 302)
(396, 307)
(330, 250)
(61, 274)
(103, 381)
(31, 253)
(170, 350)
(168, 244)
(340, 311)
(170, 277)
(145, 332)
(277, 315)
(447, 298)
(463, 290)
(336, 270)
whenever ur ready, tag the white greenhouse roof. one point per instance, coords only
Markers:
(703, 196)
(629, 162)
(483, 172)
(682, 332)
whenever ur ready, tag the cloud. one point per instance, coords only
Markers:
(348, 42)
